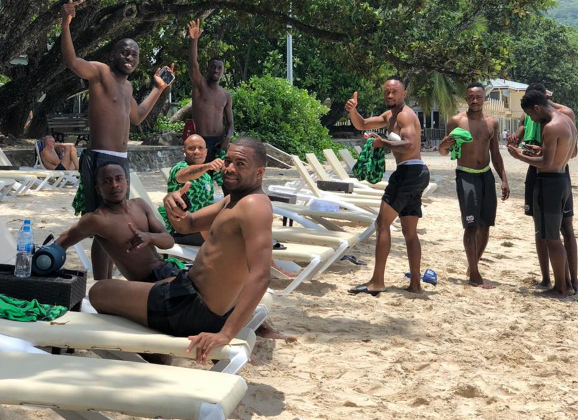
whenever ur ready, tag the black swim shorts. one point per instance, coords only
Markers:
(211, 142)
(551, 194)
(529, 193)
(177, 309)
(405, 187)
(477, 198)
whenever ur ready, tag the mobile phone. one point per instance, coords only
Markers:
(186, 199)
(167, 75)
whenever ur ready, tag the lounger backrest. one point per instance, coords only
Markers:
(317, 167)
(137, 190)
(8, 248)
(305, 176)
(335, 164)
(4, 161)
(347, 158)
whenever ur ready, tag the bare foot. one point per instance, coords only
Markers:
(478, 281)
(544, 284)
(414, 288)
(267, 331)
(553, 293)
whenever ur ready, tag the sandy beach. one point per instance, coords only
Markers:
(455, 352)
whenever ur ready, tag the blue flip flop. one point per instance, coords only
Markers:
(429, 276)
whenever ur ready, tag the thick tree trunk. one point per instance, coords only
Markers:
(184, 113)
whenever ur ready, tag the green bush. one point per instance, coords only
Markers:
(273, 111)
(163, 125)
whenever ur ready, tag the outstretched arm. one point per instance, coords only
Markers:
(139, 112)
(195, 32)
(185, 222)
(87, 226)
(358, 121)
(256, 220)
(192, 172)
(86, 69)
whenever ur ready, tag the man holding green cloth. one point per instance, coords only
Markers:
(473, 141)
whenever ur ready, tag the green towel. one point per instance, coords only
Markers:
(179, 264)
(461, 136)
(531, 132)
(28, 311)
(370, 164)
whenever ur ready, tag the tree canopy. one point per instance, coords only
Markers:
(346, 41)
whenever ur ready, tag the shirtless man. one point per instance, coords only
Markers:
(528, 131)
(213, 300)
(552, 190)
(51, 155)
(475, 182)
(111, 110)
(211, 103)
(126, 229)
(403, 193)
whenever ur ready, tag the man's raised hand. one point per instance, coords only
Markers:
(68, 10)
(215, 165)
(195, 30)
(174, 204)
(351, 103)
(159, 82)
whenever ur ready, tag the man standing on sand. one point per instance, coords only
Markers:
(111, 109)
(552, 190)
(402, 195)
(475, 183)
(212, 105)
(212, 301)
(529, 132)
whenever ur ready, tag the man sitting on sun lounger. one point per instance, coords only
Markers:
(212, 301)
(61, 157)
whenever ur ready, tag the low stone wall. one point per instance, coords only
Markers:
(141, 158)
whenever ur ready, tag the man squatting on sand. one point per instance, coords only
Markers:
(111, 110)
(475, 182)
(214, 299)
(528, 132)
(552, 190)
(402, 195)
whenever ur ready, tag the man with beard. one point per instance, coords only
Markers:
(475, 184)
(212, 301)
(111, 110)
(402, 195)
(552, 190)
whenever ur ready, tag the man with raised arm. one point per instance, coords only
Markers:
(528, 132)
(552, 189)
(111, 110)
(213, 300)
(475, 183)
(402, 195)
(212, 105)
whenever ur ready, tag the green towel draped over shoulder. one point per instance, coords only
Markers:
(461, 136)
(28, 311)
(370, 164)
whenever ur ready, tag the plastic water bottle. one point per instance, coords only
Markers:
(24, 250)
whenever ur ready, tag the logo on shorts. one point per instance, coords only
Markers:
(470, 218)
(527, 207)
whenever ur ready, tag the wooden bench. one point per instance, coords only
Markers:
(61, 125)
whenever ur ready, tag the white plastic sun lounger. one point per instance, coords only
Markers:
(119, 338)
(358, 187)
(341, 173)
(7, 188)
(78, 388)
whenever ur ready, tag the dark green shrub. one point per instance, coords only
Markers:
(273, 111)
